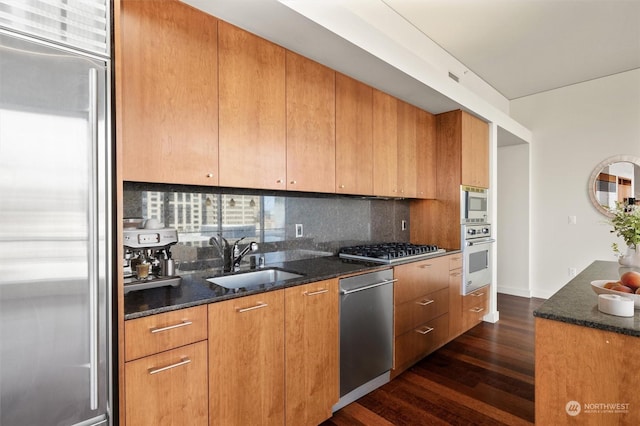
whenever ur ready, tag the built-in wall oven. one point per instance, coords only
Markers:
(477, 251)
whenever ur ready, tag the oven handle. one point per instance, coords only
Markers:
(367, 287)
(480, 242)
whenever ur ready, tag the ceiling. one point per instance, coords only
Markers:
(530, 46)
(517, 47)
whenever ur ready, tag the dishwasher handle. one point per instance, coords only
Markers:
(367, 287)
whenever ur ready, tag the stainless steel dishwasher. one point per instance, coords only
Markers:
(366, 334)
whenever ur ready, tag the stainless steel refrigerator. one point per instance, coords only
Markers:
(55, 234)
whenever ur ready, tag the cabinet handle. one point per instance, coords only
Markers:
(341, 186)
(477, 294)
(426, 330)
(314, 293)
(428, 265)
(169, 367)
(171, 327)
(258, 306)
(209, 175)
(425, 302)
(293, 182)
(476, 310)
(279, 181)
(455, 274)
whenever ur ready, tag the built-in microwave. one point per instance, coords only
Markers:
(473, 204)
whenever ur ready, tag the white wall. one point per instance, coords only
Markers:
(574, 129)
(512, 248)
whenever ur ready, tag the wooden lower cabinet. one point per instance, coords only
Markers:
(584, 376)
(169, 388)
(311, 352)
(474, 306)
(421, 305)
(417, 343)
(246, 360)
(456, 326)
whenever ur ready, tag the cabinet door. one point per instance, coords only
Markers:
(169, 388)
(311, 125)
(425, 155)
(385, 145)
(168, 94)
(246, 360)
(407, 128)
(312, 348)
(474, 307)
(415, 344)
(475, 151)
(354, 143)
(252, 110)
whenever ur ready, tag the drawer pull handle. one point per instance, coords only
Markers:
(477, 294)
(258, 306)
(476, 310)
(424, 331)
(169, 367)
(428, 265)
(456, 274)
(425, 302)
(314, 293)
(171, 327)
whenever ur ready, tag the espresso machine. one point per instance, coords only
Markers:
(147, 259)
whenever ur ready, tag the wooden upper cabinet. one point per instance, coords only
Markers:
(475, 151)
(463, 153)
(168, 107)
(385, 144)
(354, 140)
(311, 125)
(407, 141)
(252, 110)
(425, 155)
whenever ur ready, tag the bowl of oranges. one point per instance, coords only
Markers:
(628, 285)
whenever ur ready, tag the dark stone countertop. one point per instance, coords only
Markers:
(196, 290)
(577, 303)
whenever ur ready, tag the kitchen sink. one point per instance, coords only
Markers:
(253, 278)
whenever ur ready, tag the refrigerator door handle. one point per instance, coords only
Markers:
(93, 234)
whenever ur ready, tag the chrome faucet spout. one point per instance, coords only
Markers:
(238, 255)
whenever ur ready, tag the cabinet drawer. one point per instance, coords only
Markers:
(420, 278)
(477, 298)
(455, 261)
(168, 388)
(157, 333)
(418, 342)
(418, 311)
(475, 305)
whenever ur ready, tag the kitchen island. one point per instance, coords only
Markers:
(586, 364)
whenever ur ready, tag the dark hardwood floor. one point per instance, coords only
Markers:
(484, 377)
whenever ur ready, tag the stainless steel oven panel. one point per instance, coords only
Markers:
(473, 204)
(477, 264)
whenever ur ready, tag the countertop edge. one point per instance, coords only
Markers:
(350, 268)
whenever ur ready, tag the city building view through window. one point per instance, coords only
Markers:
(199, 216)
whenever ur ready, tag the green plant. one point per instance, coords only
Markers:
(626, 224)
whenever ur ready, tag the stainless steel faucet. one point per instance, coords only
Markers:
(238, 255)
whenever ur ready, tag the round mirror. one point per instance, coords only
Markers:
(616, 179)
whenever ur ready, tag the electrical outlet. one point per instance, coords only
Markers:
(299, 230)
(572, 220)
(572, 272)
(403, 225)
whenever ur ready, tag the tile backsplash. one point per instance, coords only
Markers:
(328, 222)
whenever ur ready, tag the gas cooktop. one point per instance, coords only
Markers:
(389, 252)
